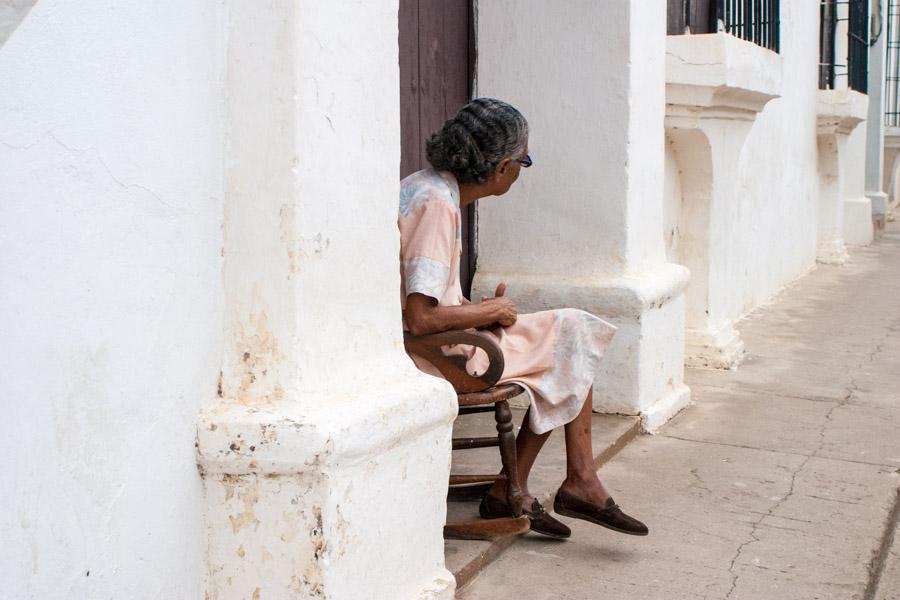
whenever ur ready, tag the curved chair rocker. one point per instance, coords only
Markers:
(477, 395)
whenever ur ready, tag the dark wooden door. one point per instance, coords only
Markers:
(698, 15)
(436, 60)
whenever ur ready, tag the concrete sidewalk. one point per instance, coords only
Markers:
(781, 482)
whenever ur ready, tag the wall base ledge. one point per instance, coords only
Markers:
(840, 111)
(661, 411)
(442, 588)
(622, 296)
(722, 349)
(858, 227)
(833, 252)
(879, 202)
(295, 435)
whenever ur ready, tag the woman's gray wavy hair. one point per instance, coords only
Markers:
(471, 144)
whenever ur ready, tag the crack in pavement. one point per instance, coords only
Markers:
(849, 392)
(784, 452)
(755, 525)
(698, 529)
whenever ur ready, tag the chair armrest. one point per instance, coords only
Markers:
(453, 368)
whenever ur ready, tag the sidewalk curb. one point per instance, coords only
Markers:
(879, 559)
(465, 574)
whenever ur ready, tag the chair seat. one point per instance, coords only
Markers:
(492, 395)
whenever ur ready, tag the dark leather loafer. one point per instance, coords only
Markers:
(541, 521)
(610, 516)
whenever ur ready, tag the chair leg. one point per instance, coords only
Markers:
(503, 416)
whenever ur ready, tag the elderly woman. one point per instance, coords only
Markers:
(555, 355)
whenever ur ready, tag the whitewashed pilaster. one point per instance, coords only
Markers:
(583, 227)
(716, 85)
(326, 455)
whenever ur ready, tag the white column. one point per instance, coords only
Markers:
(838, 113)
(859, 228)
(583, 227)
(891, 165)
(858, 216)
(326, 456)
(875, 126)
(716, 84)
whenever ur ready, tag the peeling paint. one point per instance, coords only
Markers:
(268, 433)
(258, 350)
(286, 220)
(316, 533)
(247, 518)
(230, 482)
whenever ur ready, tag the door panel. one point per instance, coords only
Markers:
(435, 81)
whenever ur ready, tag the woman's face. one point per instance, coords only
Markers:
(508, 172)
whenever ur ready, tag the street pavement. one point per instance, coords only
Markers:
(780, 482)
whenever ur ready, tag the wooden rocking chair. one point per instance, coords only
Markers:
(477, 395)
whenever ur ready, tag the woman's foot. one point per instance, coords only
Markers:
(498, 491)
(606, 513)
(541, 522)
(588, 488)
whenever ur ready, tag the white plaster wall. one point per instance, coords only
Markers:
(853, 179)
(110, 283)
(575, 144)
(645, 154)
(772, 235)
(858, 227)
(672, 198)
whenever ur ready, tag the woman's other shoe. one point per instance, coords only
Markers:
(541, 521)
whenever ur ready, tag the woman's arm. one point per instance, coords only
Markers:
(424, 315)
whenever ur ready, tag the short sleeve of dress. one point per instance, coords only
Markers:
(427, 241)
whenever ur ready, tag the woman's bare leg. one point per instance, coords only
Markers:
(582, 479)
(528, 446)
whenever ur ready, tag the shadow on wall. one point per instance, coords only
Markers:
(11, 14)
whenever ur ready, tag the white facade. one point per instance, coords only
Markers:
(716, 85)
(199, 246)
(769, 233)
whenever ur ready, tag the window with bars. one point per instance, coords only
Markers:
(892, 66)
(844, 44)
(756, 21)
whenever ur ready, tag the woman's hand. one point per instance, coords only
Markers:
(424, 315)
(506, 312)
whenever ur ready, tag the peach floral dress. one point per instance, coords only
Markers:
(555, 354)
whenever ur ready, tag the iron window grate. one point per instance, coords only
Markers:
(833, 15)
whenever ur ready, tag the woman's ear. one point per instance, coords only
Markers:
(503, 166)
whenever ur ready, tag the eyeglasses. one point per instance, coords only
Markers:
(525, 161)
